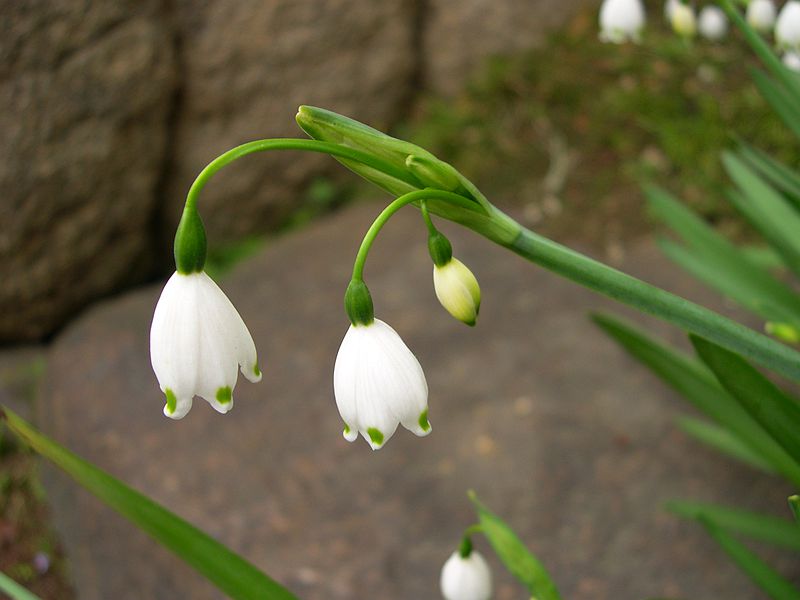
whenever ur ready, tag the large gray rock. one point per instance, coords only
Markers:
(85, 91)
(247, 65)
(457, 37)
(554, 427)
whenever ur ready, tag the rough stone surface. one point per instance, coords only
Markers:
(457, 37)
(84, 93)
(553, 426)
(248, 65)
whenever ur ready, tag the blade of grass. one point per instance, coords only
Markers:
(760, 572)
(781, 176)
(766, 209)
(14, 590)
(794, 504)
(724, 441)
(514, 555)
(780, 100)
(698, 385)
(759, 527)
(777, 413)
(231, 573)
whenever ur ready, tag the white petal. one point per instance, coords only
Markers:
(787, 27)
(466, 578)
(621, 20)
(174, 337)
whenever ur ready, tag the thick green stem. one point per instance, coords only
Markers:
(458, 201)
(649, 299)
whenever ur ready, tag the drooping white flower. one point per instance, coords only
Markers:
(197, 343)
(713, 23)
(791, 60)
(761, 15)
(457, 290)
(787, 27)
(466, 578)
(684, 23)
(621, 20)
(669, 6)
(379, 384)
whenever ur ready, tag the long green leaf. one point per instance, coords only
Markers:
(515, 556)
(766, 209)
(780, 100)
(778, 174)
(760, 572)
(776, 412)
(228, 571)
(772, 530)
(794, 504)
(14, 590)
(723, 440)
(764, 51)
(697, 384)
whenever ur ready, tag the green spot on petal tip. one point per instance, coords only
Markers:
(423, 420)
(375, 435)
(347, 429)
(224, 395)
(172, 401)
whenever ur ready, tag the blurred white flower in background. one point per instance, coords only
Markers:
(684, 22)
(761, 15)
(791, 60)
(379, 384)
(621, 21)
(197, 343)
(713, 23)
(466, 578)
(669, 6)
(787, 27)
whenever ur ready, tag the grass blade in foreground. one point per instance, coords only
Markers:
(723, 441)
(759, 571)
(759, 527)
(14, 590)
(693, 381)
(515, 556)
(776, 412)
(227, 570)
(794, 504)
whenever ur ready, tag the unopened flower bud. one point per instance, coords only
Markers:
(433, 172)
(684, 22)
(457, 290)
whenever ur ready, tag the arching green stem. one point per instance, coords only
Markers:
(423, 206)
(336, 150)
(393, 207)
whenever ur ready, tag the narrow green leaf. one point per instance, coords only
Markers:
(228, 571)
(778, 174)
(698, 385)
(764, 51)
(724, 441)
(794, 504)
(759, 527)
(714, 260)
(515, 556)
(14, 590)
(779, 98)
(776, 412)
(766, 209)
(763, 257)
(760, 572)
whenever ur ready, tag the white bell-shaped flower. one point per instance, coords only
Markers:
(466, 578)
(379, 384)
(761, 15)
(791, 60)
(621, 20)
(787, 27)
(457, 290)
(669, 6)
(713, 23)
(684, 22)
(197, 343)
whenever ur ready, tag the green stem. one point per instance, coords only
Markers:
(643, 296)
(336, 150)
(393, 207)
(423, 206)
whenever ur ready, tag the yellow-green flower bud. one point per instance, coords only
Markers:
(458, 290)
